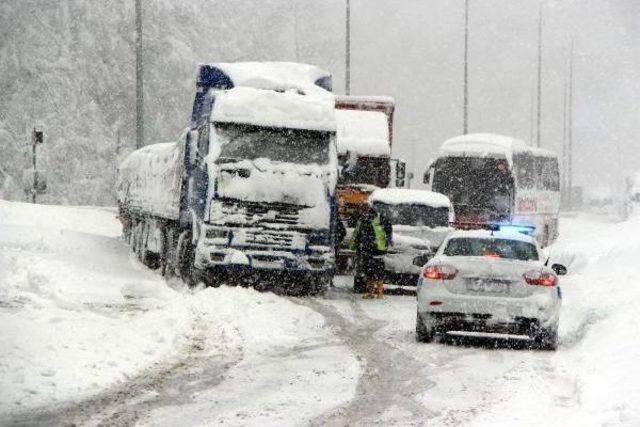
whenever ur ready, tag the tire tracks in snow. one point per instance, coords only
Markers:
(389, 381)
(161, 385)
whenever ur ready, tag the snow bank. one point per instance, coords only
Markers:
(397, 196)
(150, 179)
(79, 315)
(362, 133)
(76, 315)
(279, 76)
(269, 108)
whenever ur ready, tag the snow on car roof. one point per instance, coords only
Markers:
(397, 196)
(276, 76)
(274, 109)
(490, 145)
(362, 132)
(488, 234)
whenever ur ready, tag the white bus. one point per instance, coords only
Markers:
(498, 180)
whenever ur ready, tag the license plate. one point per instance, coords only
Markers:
(488, 286)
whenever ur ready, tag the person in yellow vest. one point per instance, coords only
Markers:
(371, 239)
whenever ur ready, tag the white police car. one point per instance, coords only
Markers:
(486, 281)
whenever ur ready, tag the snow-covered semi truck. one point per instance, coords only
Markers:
(248, 192)
(365, 136)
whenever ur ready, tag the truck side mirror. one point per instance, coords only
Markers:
(401, 173)
(427, 177)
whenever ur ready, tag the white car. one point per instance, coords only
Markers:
(485, 281)
(420, 221)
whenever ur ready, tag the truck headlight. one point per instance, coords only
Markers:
(215, 212)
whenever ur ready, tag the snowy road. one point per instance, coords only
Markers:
(88, 336)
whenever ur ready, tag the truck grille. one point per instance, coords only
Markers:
(270, 238)
(254, 213)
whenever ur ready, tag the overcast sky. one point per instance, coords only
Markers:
(413, 50)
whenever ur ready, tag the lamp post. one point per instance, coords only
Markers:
(347, 68)
(139, 78)
(465, 104)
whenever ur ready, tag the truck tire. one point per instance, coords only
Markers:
(319, 284)
(424, 333)
(185, 261)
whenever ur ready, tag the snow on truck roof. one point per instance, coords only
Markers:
(398, 196)
(362, 132)
(279, 76)
(269, 108)
(489, 145)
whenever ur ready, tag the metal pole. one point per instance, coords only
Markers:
(539, 113)
(564, 186)
(33, 162)
(347, 83)
(139, 78)
(465, 107)
(570, 131)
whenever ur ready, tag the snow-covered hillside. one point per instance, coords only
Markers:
(68, 66)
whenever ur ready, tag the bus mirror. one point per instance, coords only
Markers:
(401, 168)
(427, 177)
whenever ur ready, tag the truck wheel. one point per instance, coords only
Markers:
(185, 261)
(547, 339)
(424, 333)
(319, 284)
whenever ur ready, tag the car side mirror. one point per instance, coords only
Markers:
(559, 269)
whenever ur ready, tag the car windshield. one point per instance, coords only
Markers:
(281, 145)
(494, 248)
(413, 214)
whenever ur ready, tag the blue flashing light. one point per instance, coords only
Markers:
(524, 229)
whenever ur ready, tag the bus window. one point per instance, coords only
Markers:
(525, 170)
(550, 174)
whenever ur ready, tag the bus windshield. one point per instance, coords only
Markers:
(480, 188)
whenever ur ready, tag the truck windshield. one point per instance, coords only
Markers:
(280, 145)
(412, 214)
(494, 248)
(479, 188)
(366, 170)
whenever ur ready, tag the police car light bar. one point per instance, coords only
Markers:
(524, 229)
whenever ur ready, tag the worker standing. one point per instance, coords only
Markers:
(371, 239)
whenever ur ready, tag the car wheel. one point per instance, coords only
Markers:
(424, 333)
(547, 339)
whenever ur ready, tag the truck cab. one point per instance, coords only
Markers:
(261, 172)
